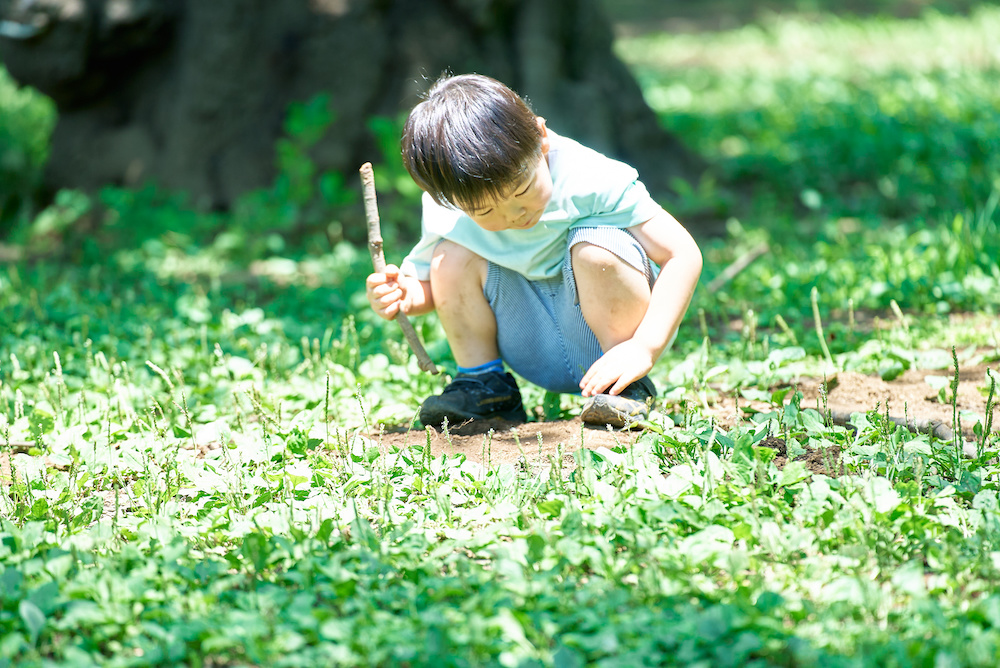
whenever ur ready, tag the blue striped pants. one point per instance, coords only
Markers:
(541, 332)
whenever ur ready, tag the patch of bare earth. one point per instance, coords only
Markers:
(816, 460)
(494, 442)
(542, 444)
(909, 397)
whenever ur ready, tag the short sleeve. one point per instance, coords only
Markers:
(588, 190)
(436, 223)
(623, 208)
(418, 262)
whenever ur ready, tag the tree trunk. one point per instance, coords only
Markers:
(192, 94)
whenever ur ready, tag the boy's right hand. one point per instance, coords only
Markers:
(385, 292)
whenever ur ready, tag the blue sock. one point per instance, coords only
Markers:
(495, 365)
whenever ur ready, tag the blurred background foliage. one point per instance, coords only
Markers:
(857, 140)
(878, 117)
(634, 17)
(856, 143)
(26, 122)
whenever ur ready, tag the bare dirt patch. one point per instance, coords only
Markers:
(540, 443)
(826, 461)
(908, 396)
(494, 442)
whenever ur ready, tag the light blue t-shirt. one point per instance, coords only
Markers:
(588, 190)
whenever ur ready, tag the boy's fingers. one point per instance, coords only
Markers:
(595, 381)
(374, 281)
(389, 311)
(614, 388)
(614, 371)
(388, 275)
(382, 290)
(392, 297)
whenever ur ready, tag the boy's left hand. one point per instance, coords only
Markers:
(617, 369)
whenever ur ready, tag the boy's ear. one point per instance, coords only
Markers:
(545, 134)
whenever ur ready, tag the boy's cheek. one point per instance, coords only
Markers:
(489, 225)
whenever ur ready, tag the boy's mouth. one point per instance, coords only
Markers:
(528, 222)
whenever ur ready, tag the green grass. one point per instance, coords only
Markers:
(881, 119)
(184, 413)
(26, 123)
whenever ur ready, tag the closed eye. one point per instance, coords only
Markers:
(523, 192)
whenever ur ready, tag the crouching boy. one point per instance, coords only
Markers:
(536, 252)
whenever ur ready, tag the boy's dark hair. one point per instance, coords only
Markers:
(470, 142)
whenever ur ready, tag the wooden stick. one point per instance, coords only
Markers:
(19, 446)
(935, 428)
(736, 267)
(378, 261)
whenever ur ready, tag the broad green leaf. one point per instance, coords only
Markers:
(881, 493)
(553, 507)
(33, 618)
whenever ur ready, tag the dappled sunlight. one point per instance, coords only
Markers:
(827, 44)
(210, 446)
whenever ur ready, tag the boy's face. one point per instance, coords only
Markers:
(523, 208)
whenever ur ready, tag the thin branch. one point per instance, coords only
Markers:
(935, 428)
(741, 263)
(378, 261)
(19, 447)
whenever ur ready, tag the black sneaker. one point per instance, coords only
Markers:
(475, 397)
(620, 410)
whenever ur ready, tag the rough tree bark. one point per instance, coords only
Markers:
(192, 93)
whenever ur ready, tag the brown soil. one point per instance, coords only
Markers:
(909, 396)
(826, 461)
(537, 445)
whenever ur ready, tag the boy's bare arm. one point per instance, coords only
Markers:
(390, 292)
(669, 245)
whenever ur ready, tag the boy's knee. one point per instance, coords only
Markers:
(452, 262)
(590, 260)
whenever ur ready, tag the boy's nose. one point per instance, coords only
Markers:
(515, 214)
